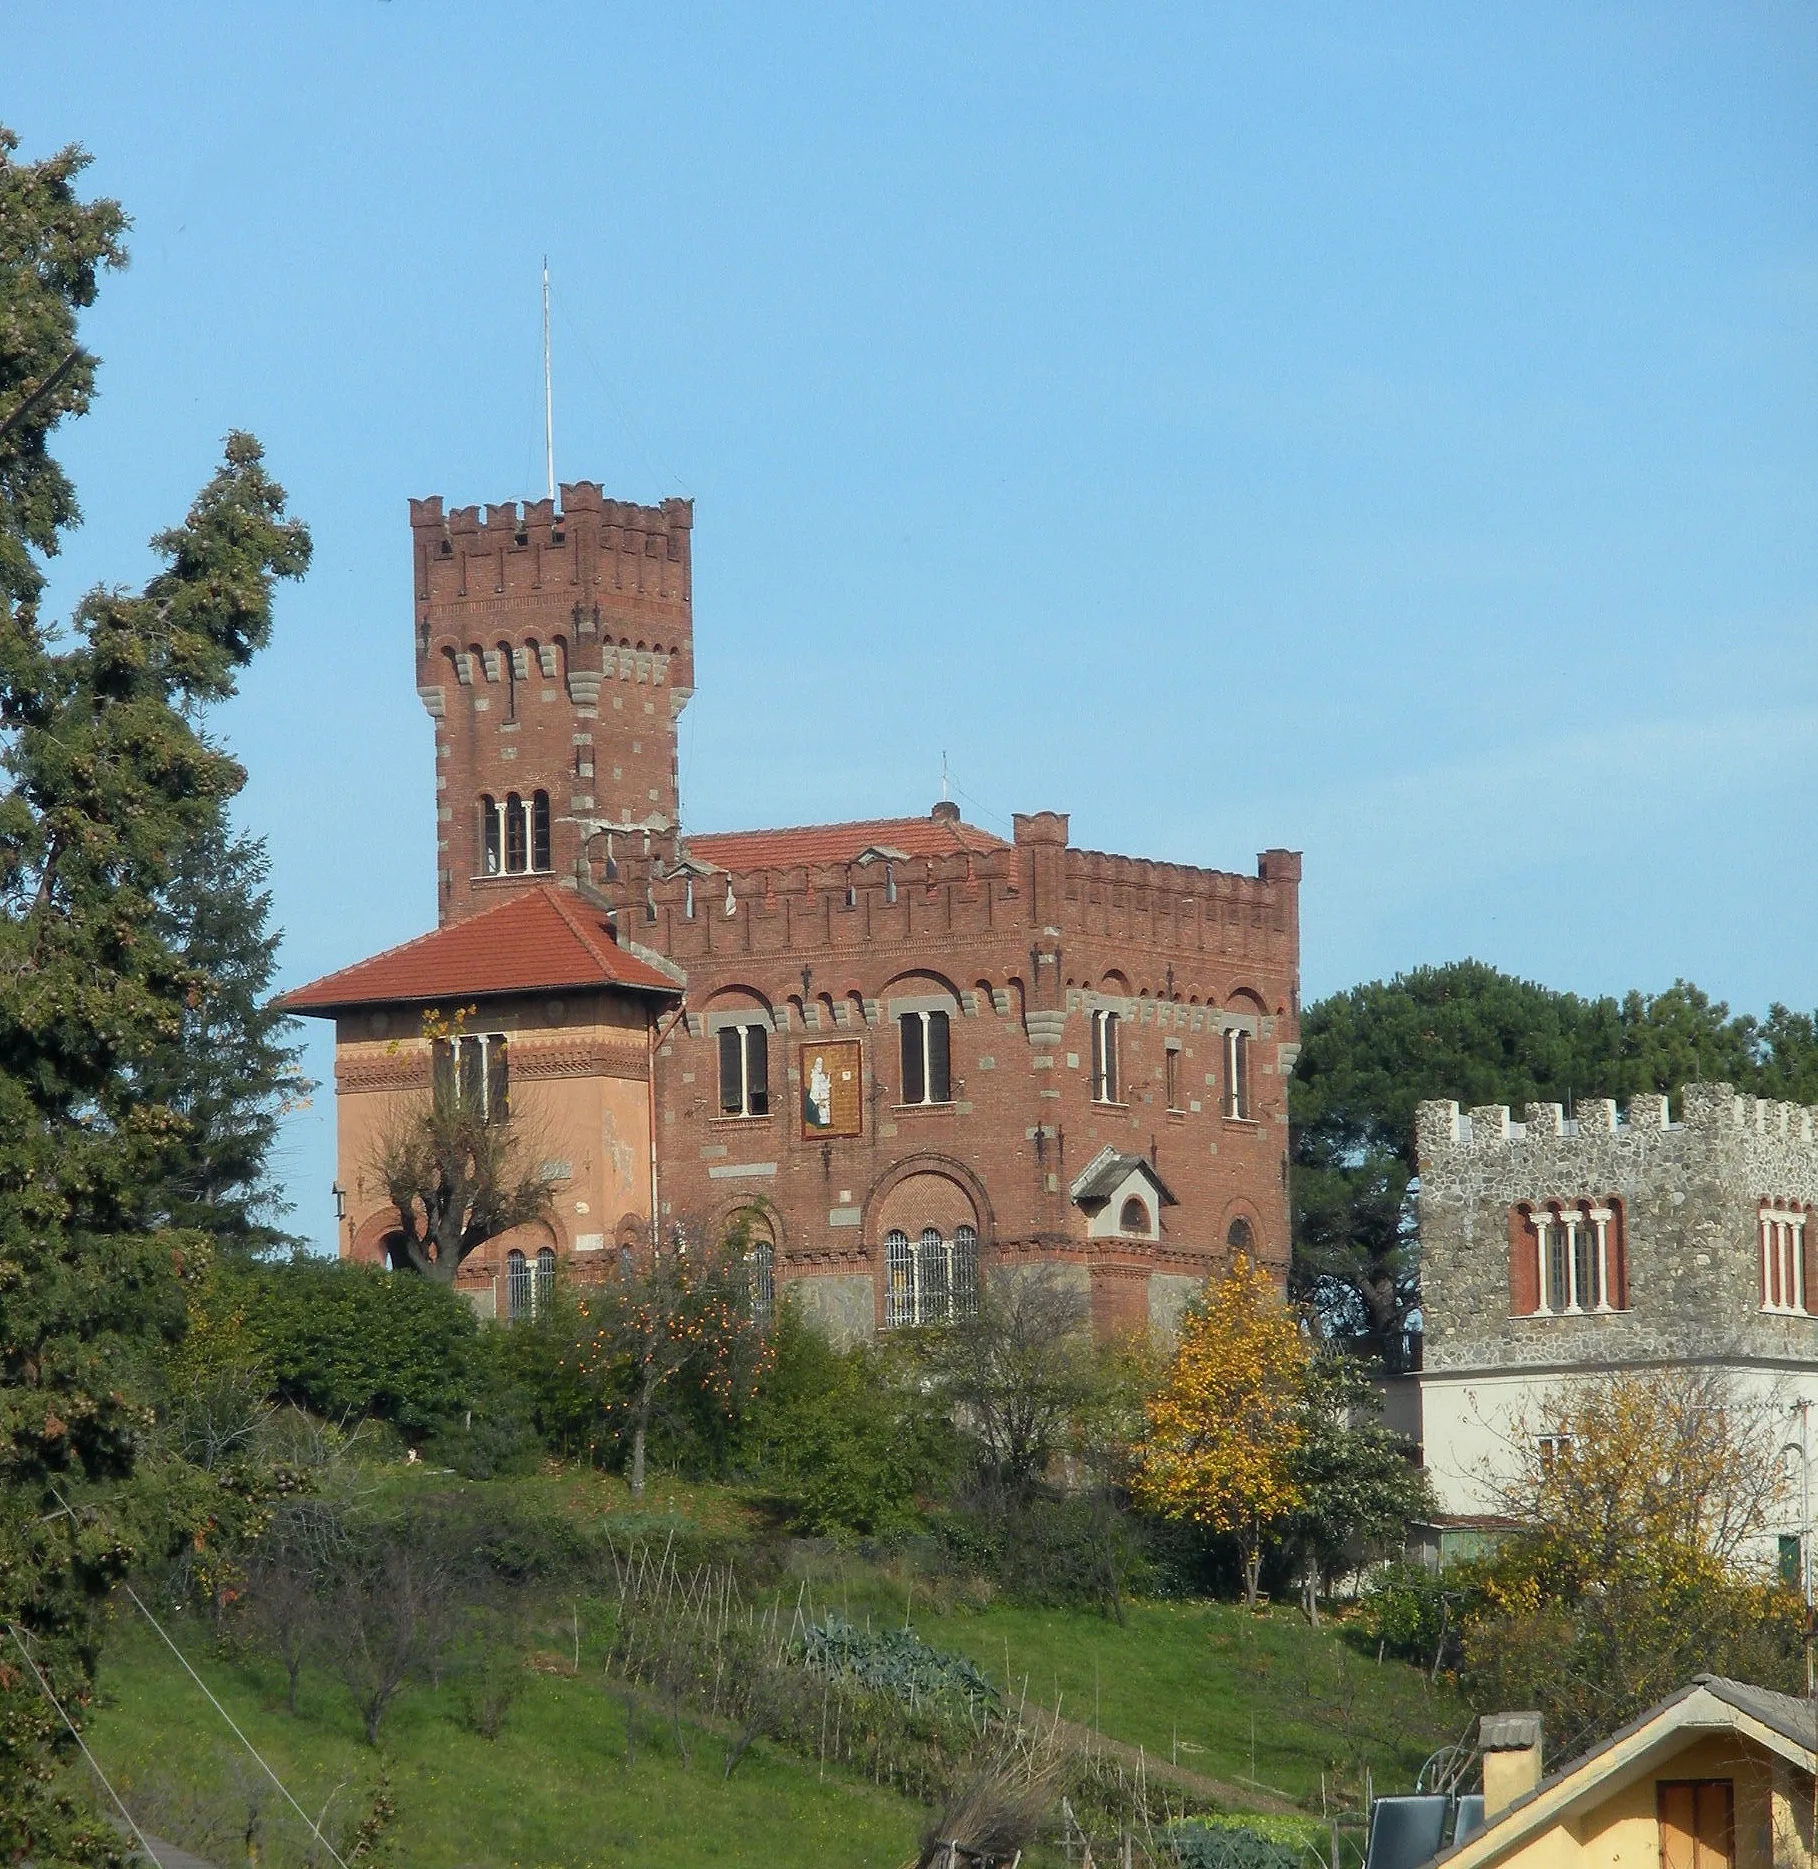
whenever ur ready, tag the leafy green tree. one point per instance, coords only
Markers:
(231, 1072)
(848, 1437)
(1468, 1032)
(1356, 1485)
(107, 773)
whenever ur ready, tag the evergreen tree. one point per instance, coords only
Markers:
(106, 776)
(232, 1071)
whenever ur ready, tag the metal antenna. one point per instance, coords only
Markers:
(548, 400)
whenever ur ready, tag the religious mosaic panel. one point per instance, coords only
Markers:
(832, 1103)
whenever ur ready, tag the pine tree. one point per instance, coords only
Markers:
(107, 775)
(232, 1071)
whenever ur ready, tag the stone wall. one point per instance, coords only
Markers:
(1691, 1195)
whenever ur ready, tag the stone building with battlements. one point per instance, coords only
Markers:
(1553, 1247)
(906, 1054)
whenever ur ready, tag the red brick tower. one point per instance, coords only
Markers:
(555, 652)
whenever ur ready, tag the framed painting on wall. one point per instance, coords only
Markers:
(833, 1106)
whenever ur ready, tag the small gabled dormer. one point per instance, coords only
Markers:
(1121, 1196)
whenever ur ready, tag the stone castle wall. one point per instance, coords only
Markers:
(1691, 1196)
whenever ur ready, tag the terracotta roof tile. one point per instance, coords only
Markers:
(537, 940)
(840, 843)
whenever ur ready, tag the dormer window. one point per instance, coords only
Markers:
(1134, 1218)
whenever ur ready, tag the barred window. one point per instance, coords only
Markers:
(545, 1285)
(520, 1294)
(933, 1281)
(760, 1265)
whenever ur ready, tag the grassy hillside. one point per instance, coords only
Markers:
(1261, 1703)
(554, 1788)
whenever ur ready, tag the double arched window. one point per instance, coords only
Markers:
(514, 834)
(933, 1280)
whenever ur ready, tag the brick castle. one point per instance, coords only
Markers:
(907, 1052)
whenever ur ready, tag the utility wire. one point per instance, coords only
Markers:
(228, 1717)
(94, 1763)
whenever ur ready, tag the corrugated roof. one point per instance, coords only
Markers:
(540, 939)
(841, 843)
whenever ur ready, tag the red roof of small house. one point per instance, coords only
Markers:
(933, 836)
(537, 940)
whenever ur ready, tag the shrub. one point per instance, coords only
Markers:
(350, 1340)
(1230, 1846)
(853, 1451)
(1405, 1608)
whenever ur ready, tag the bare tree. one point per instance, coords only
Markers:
(460, 1171)
(389, 1612)
(1021, 1371)
(285, 1575)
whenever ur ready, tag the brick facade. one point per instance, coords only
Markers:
(554, 655)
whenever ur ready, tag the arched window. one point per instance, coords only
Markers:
(491, 830)
(965, 1272)
(539, 831)
(508, 671)
(1239, 1237)
(899, 1280)
(933, 1285)
(1237, 1074)
(761, 1269)
(519, 1296)
(1134, 1218)
(1104, 1056)
(545, 1288)
(515, 856)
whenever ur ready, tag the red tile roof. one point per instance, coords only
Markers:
(537, 940)
(840, 843)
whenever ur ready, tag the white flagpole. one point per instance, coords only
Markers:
(548, 399)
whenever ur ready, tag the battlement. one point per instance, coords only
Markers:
(1712, 1112)
(596, 559)
(1194, 924)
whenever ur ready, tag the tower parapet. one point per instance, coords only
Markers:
(555, 651)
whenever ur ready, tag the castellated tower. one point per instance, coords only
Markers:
(555, 653)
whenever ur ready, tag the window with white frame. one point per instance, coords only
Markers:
(745, 1069)
(1237, 1074)
(932, 1280)
(1782, 1234)
(1577, 1259)
(927, 1057)
(473, 1072)
(514, 834)
(1104, 1056)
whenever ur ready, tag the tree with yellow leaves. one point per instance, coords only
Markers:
(1224, 1426)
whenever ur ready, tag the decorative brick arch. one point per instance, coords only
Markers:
(1242, 1209)
(961, 1202)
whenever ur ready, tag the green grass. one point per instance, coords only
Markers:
(554, 1788)
(1196, 1680)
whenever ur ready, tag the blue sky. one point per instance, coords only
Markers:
(1388, 432)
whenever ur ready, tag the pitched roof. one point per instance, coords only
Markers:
(842, 843)
(1707, 1703)
(1106, 1172)
(538, 939)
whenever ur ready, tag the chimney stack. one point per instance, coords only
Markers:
(1510, 1743)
